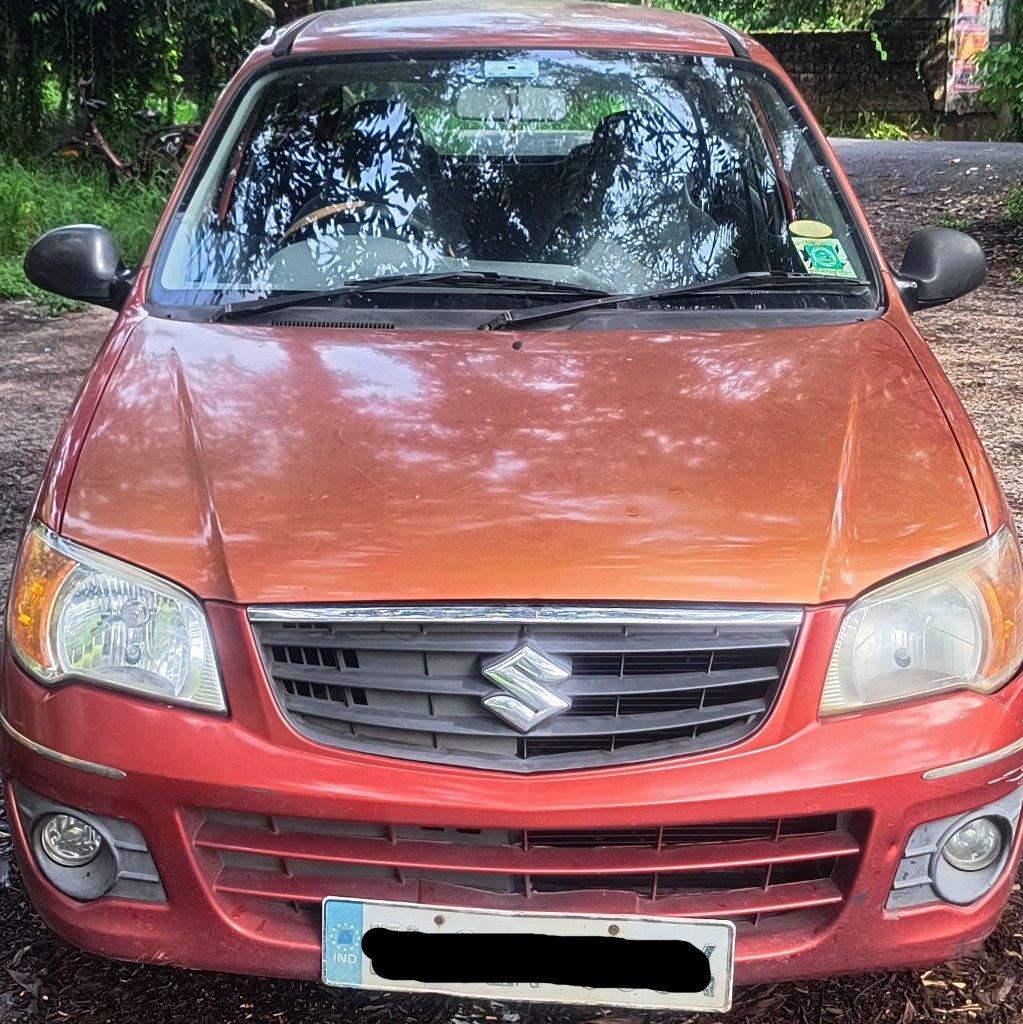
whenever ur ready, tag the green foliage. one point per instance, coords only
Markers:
(947, 220)
(869, 125)
(1001, 74)
(137, 52)
(161, 53)
(767, 15)
(1002, 79)
(35, 198)
(874, 126)
(1014, 205)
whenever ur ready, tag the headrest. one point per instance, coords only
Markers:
(637, 138)
(382, 151)
(372, 128)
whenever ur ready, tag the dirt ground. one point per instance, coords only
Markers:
(980, 342)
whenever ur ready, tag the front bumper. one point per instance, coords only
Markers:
(183, 770)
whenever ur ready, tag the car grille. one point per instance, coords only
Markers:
(743, 871)
(643, 685)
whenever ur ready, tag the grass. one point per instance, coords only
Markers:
(1014, 205)
(873, 126)
(946, 220)
(1014, 213)
(870, 125)
(35, 198)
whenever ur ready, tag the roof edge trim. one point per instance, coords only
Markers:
(292, 32)
(734, 38)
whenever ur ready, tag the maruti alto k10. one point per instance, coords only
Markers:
(514, 540)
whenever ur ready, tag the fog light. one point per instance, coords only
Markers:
(977, 845)
(69, 841)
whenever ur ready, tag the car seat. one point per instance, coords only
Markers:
(634, 222)
(381, 183)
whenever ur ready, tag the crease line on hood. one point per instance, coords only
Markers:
(62, 466)
(989, 524)
(835, 554)
(209, 519)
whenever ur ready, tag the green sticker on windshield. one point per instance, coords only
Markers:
(824, 256)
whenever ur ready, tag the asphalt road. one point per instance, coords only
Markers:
(926, 168)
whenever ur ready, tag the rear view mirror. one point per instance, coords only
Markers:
(80, 262)
(511, 102)
(940, 265)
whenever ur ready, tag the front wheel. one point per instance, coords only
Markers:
(164, 152)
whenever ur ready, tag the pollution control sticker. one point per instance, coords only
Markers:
(824, 256)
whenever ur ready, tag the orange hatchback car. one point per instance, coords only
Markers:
(514, 541)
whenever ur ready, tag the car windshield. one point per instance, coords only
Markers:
(603, 172)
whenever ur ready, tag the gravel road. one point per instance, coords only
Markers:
(980, 342)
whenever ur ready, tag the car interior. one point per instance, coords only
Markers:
(638, 195)
(534, 206)
(623, 185)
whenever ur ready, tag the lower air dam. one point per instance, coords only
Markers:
(584, 962)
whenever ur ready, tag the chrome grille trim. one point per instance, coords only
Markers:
(406, 681)
(637, 615)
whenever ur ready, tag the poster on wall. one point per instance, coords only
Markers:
(976, 25)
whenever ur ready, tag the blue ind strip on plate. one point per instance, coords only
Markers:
(342, 943)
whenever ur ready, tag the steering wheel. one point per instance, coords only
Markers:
(354, 216)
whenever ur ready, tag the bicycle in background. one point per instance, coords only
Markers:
(163, 150)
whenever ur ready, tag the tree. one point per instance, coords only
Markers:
(757, 15)
(141, 52)
(136, 53)
(265, 9)
(289, 10)
(1001, 78)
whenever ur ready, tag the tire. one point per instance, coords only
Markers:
(164, 152)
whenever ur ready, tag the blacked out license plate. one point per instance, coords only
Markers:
(646, 962)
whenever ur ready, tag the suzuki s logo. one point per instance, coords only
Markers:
(526, 676)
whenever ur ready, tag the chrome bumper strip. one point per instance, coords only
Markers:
(59, 758)
(974, 762)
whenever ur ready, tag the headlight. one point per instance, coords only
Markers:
(957, 624)
(77, 614)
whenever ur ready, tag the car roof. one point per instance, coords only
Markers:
(498, 24)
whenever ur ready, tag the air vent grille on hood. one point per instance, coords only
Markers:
(341, 325)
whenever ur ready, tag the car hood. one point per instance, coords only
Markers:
(257, 464)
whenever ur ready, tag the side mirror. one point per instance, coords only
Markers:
(80, 262)
(940, 266)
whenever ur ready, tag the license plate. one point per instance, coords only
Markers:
(651, 963)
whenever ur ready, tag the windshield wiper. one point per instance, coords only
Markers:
(489, 279)
(759, 280)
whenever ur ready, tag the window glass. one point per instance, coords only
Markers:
(619, 173)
